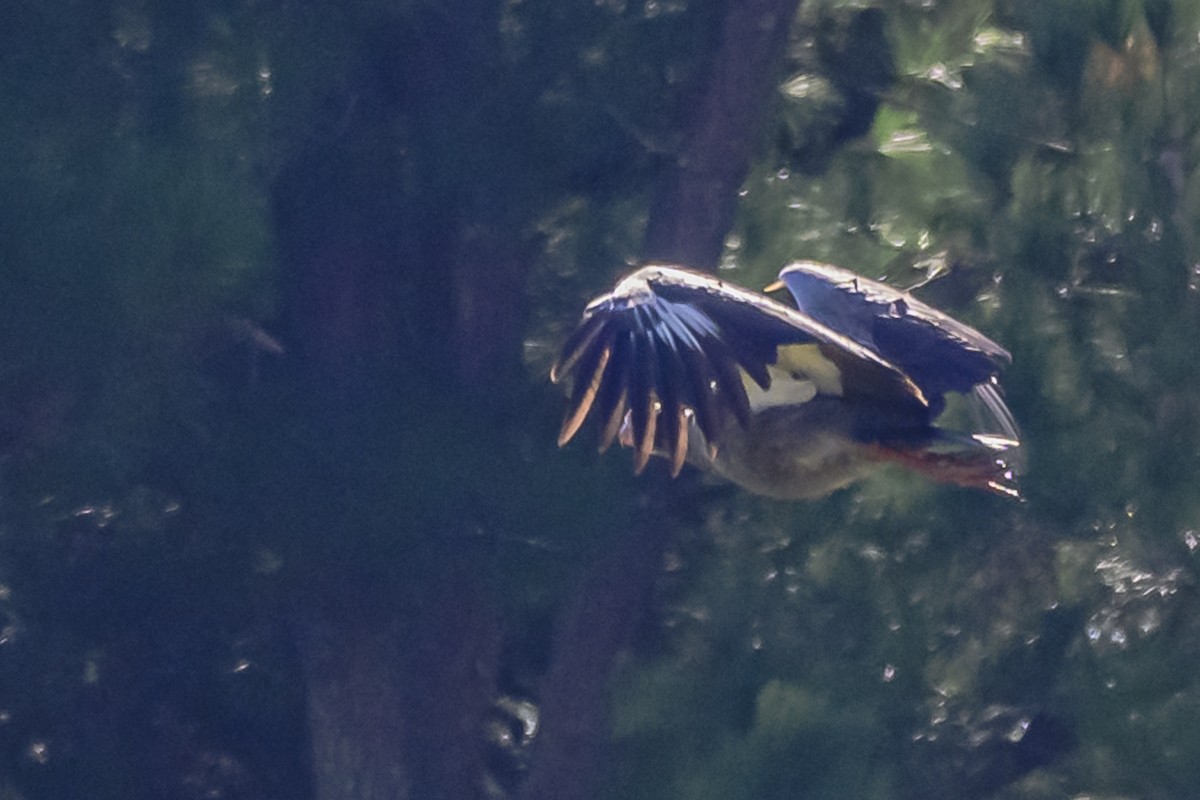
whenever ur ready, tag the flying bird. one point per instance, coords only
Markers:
(788, 402)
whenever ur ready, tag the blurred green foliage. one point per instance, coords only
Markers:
(166, 484)
(902, 640)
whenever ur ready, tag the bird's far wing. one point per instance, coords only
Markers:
(667, 343)
(996, 420)
(939, 352)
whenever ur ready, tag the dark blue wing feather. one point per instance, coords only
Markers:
(940, 353)
(667, 341)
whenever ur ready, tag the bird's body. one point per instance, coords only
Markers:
(788, 403)
(790, 453)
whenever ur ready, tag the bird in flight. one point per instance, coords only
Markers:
(791, 403)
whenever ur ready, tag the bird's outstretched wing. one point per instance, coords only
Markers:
(937, 351)
(667, 344)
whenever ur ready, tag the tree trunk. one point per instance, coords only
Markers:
(594, 627)
(400, 678)
(489, 271)
(355, 729)
(695, 204)
(688, 223)
(396, 626)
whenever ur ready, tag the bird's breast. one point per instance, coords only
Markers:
(794, 453)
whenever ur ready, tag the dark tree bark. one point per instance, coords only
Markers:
(401, 309)
(355, 731)
(696, 201)
(400, 660)
(688, 223)
(450, 674)
(489, 273)
(400, 679)
(594, 628)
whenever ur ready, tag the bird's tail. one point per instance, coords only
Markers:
(981, 461)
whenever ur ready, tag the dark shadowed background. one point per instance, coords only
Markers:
(281, 514)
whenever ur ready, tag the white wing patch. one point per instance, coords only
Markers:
(798, 375)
